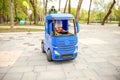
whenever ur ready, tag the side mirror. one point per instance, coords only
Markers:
(77, 27)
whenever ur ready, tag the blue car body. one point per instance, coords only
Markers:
(61, 47)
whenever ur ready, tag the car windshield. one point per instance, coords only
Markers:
(64, 27)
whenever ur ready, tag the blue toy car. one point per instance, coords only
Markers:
(61, 41)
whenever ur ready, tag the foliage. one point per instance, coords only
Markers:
(98, 11)
(73, 11)
(117, 13)
(4, 8)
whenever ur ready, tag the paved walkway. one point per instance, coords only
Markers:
(98, 59)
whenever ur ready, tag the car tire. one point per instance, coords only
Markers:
(42, 47)
(49, 56)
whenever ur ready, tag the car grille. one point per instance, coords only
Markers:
(66, 48)
(70, 42)
(67, 56)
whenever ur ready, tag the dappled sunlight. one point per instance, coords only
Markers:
(116, 32)
(8, 58)
(92, 41)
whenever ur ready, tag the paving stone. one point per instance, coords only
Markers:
(107, 71)
(108, 78)
(32, 58)
(8, 58)
(4, 69)
(51, 75)
(91, 75)
(98, 56)
(95, 59)
(55, 68)
(81, 66)
(105, 65)
(34, 63)
(13, 76)
(1, 76)
(69, 66)
(55, 62)
(77, 78)
(117, 76)
(21, 69)
(29, 76)
(74, 74)
(23, 58)
(20, 63)
(115, 62)
(40, 68)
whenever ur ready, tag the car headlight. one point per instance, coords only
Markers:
(56, 52)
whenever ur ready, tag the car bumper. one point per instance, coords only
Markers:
(64, 57)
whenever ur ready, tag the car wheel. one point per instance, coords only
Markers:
(42, 47)
(49, 55)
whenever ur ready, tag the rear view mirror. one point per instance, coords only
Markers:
(77, 27)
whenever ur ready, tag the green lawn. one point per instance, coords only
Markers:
(27, 23)
(19, 30)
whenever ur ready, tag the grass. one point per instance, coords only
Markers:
(113, 22)
(27, 23)
(2, 30)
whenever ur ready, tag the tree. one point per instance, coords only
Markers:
(99, 8)
(11, 15)
(109, 12)
(89, 11)
(46, 6)
(117, 14)
(100, 5)
(83, 16)
(33, 3)
(117, 11)
(73, 11)
(15, 8)
(65, 6)
(78, 10)
(69, 7)
(59, 5)
(4, 9)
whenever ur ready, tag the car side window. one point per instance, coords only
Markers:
(49, 27)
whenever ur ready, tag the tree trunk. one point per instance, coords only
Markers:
(119, 23)
(89, 11)
(3, 11)
(109, 12)
(46, 6)
(7, 18)
(11, 15)
(59, 5)
(35, 11)
(65, 6)
(16, 15)
(78, 10)
(69, 7)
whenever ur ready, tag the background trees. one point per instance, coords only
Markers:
(11, 14)
(99, 11)
(4, 9)
(109, 12)
(34, 6)
(89, 11)
(78, 10)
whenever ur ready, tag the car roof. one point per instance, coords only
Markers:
(59, 16)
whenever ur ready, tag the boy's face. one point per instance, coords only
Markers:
(59, 29)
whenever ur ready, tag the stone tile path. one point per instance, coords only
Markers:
(98, 59)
